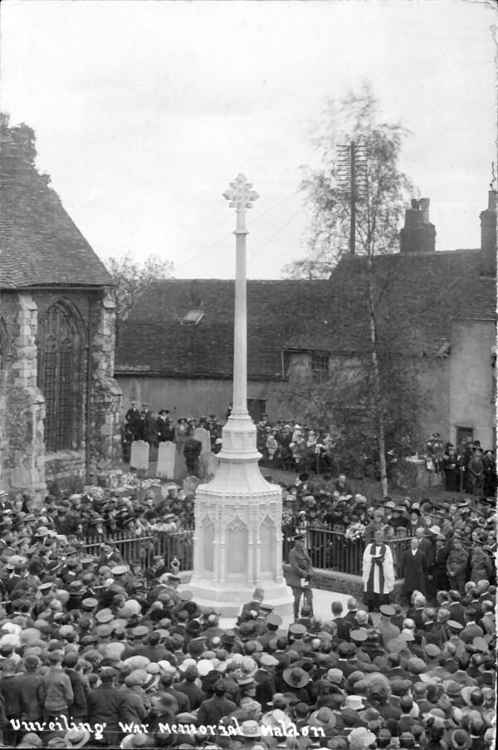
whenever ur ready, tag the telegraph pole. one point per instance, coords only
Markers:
(351, 175)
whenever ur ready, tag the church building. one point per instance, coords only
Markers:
(59, 403)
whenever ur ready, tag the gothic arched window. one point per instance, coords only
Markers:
(61, 378)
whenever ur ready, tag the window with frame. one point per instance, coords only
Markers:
(193, 317)
(320, 365)
(61, 376)
(464, 434)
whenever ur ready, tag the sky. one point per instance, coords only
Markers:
(144, 111)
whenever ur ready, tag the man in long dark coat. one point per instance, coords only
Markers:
(299, 573)
(413, 570)
(133, 422)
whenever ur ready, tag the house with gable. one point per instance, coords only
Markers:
(435, 310)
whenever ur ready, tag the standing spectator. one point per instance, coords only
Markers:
(79, 707)
(489, 474)
(213, 709)
(10, 695)
(451, 468)
(133, 421)
(435, 451)
(378, 572)
(165, 431)
(480, 563)
(413, 570)
(105, 706)
(151, 433)
(456, 565)
(438, 569)
(57, 688)
(191, 451)
(271, 445)
(299, 573)
(31, 689)
(476, 472)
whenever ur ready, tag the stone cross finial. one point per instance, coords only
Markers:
(241, 197)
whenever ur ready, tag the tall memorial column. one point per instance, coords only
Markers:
(238, 537)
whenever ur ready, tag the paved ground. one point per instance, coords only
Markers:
(321, 602)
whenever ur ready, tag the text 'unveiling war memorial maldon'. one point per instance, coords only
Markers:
(238, 537)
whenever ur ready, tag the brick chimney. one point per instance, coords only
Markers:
(488, 236)
(418, 235)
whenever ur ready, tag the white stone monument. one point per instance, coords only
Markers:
(139, 457)
(166, 459)
(238, 538)
(204, 437)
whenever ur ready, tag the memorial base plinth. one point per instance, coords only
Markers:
(238, 530)
(228, 600)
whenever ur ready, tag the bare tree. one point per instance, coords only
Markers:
(132, 278)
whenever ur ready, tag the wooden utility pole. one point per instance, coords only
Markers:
(352, 230)
(351, 172)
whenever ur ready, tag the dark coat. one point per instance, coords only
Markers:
(105, 705)
(193, 693)
(11, 694)
(413, 570)
(265, 687)
(215, 708)
(299, 567)
(79, 707)
(164, 430)
(31, 694)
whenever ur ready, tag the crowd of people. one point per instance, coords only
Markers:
(95, 652)
(290, 446)
(98, 651)
(155, 427)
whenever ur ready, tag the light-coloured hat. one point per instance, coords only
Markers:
(355, 702)
(76, 737)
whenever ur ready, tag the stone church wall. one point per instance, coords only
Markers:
(104, 408)
(24, 463)
(22, 406)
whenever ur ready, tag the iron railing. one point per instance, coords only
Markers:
(329, 549)
(140, 550)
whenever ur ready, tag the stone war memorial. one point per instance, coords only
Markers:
(238, 515)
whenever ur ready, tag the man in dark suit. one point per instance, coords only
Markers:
(133, 421)
(191, 451)
(299, 572)
(264, 678)
(413, 570)
(164, 429)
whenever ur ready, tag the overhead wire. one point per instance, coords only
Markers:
(273, 207)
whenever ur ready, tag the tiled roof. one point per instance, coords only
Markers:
(155, 337)
(39, 243)
(417, 298)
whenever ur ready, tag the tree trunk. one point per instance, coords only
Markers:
(378, 411)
